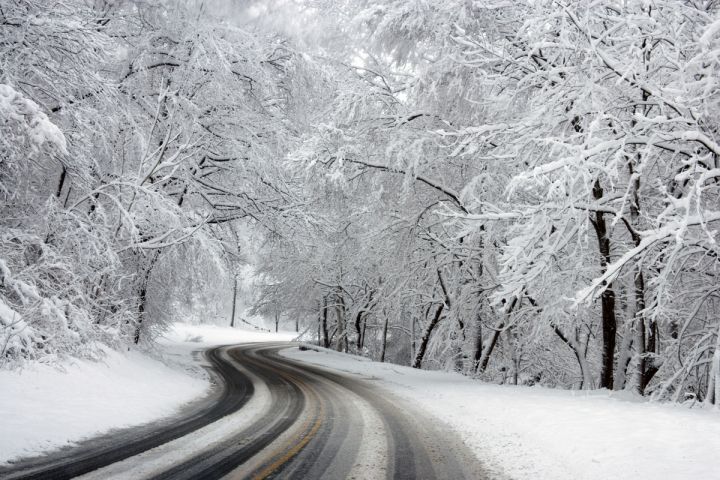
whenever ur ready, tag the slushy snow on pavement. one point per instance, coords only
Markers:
(538, 433)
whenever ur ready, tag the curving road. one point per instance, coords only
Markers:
(273, 417)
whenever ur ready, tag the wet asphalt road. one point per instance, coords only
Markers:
(272, 417)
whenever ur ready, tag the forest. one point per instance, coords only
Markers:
(526, 192)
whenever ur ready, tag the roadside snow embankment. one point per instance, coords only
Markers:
(43, 408)
(539, 433)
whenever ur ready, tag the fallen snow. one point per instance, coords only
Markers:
(46, 407)
(208, 335)
(538, 433)
(43, 408)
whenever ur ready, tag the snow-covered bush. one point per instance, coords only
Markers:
(44, 312)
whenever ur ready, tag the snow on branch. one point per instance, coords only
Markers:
(30, 120)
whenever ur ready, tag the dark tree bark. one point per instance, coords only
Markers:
(358, 330)
(364, 329)
(646, 336)
(142, 295)
(141, 313)
(323, 323)
(359, 327)
(384, 338)
(572, 343)
(607, 299)
(490, 345)
(478, 345)
(342, 343)
(232, 315)
(61, 181)
(319, 323)
(427, 333)
(646, 332)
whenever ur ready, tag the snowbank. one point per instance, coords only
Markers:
(540, 433)
(43, 407)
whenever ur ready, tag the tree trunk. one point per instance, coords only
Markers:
(324, 325)
(384, 337)
(319, 324)
(143, 296)
(427, 333)
(478, 345)
(342, 343)
(141, 312)
(624, 356)
(232, 315)
(422, 347)
(587, 381)
(646, 339)
(358, 330)
(61, 181)
(364, 329)
(713, 393)
(67, 196)
(490, 346)
(516, 354)
(607, 299)
(412, 339)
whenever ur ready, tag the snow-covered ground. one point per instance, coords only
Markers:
(538, 433)
(208, 335)
(45, 407)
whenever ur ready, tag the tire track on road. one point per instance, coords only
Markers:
(233, 391)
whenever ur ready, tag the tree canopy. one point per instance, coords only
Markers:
(526, 192)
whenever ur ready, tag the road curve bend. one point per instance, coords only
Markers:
(276, 418)
(232, 391)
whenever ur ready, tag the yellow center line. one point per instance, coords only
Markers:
(295, 448)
